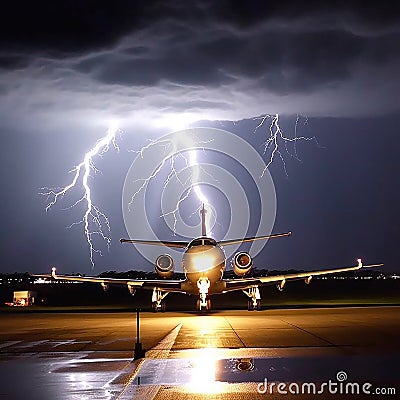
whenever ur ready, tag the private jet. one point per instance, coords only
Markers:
(204, 263)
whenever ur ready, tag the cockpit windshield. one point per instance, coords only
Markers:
(203, 242)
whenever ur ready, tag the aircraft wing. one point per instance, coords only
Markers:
(165, 284)
(280, 280)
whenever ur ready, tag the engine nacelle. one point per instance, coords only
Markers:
(164, 266)
(242, 263)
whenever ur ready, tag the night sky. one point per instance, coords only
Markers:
(68, 69)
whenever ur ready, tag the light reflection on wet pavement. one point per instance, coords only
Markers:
(72, 376)
(202, 357)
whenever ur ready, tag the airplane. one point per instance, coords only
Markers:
(203, 264)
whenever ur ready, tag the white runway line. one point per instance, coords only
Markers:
(9, 343)
(160, 352)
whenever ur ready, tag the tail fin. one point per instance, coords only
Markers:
(203, 212)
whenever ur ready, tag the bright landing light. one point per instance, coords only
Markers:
(204, 262)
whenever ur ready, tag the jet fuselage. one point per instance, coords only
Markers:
(203, 263)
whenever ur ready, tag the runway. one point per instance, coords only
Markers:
(225, 354)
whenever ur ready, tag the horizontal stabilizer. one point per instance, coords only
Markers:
(179, 245)
(252, 239)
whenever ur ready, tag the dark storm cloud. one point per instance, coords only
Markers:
(281, 52)
(220, 59)
(67, 26)
(82, 25)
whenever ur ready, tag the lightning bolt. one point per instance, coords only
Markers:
(276, 138)
(171, 155)
(94, 221)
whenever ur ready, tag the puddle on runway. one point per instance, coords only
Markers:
(83, 376)
(238, 370)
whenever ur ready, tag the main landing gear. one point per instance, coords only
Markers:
(157, 300)
(254, 302)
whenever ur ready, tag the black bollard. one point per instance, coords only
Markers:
(139, 352)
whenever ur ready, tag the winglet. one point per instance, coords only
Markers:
(361, 265)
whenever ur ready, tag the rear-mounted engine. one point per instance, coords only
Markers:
(242, 263)
(164, 266)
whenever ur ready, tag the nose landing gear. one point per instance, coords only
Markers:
(203, 305)
(204, 302)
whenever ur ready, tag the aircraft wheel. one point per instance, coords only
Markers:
(208, 308)
(154, 306)
(163, 306)
(198, 305)
(250, 306)
(258, 307)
